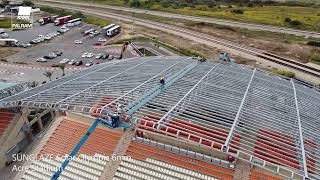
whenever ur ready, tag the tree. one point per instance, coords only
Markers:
(295, 23)
(62, 67)
(237, 11)
(134, 3)
(4, 2)
(287, 20)
(27, 3)
(48, 74)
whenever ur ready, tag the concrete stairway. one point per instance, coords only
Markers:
(123, 144)
(242, 170)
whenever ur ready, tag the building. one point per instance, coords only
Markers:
(207, 121)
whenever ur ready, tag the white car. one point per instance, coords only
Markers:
(72, 62)
(102, 40)
(64, 61)
(89, 55)
(84, 54)
(41, 60)
(40, 36)
(98, 56)
(4, 35)
(78, 42)
(89, 64)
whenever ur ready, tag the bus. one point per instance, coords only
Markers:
(113, 31)
(74, 22)
(87, 32)
(108, 27)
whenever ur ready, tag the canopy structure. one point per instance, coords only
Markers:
(267, 120)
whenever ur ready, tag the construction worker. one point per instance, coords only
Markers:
(162, 81)
(114, 119)
(120, 109)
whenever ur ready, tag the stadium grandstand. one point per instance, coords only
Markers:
(207, 120)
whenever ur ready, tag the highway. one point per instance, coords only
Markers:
(231, 23)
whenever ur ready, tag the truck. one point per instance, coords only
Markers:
(47, 19)
(62, 20)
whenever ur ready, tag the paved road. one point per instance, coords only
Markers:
(200, 19)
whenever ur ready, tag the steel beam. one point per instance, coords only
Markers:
(183, 98)
(132, 90)
(303, 153)
(134, 106)
(60, 84)
(103, 81)
(236, 119)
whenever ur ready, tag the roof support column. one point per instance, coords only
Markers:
(236, 119)
(167, 115)
(305, 169)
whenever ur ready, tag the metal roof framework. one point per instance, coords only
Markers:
(251, 106)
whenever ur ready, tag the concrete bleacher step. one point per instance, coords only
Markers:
(157, 168)
(70, 171)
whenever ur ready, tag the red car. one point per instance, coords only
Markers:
(97, 44)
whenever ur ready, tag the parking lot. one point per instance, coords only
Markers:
(65, 43)
(25, 36)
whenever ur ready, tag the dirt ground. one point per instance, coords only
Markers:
(7, 51)
(179, 42)
(276, 44)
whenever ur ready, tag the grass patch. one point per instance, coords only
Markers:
(308, 16)
(96, 21)
(284, 73)
(315, 59)
(146, 52)
(6, 23)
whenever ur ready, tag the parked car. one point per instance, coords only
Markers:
(72, 62)
(78, 42)
(97, 44)
(98, 56)
(4, 35)
(40, 36)
(41, 60)
(105, 56)
(78, 63)
(55, 65)
(84, 54)
(89, 55)
(89, 64)
(64, 61)
(102, 40)
(26, 45)
(58, 53)
(110, 57)
(50, 56)
(47, 37)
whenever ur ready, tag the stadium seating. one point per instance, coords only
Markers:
(276, 148)
(66, 136)
(213, 137)
(69, 133)
(262, 176)
(151, 156)
(5, 119)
